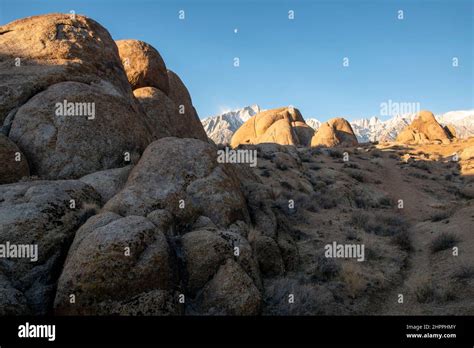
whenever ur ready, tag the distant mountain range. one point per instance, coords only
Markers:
(220, 128)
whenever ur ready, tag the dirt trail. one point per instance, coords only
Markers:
(416, 209)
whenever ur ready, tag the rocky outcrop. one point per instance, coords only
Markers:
(161, 92)
(45, 214)
(40, 51)
(102, 128)
(112, 261)
(143, 65)
(283, 126)
(183, 177)
(107, 183)
(230, 282)
(424, 129)
(14, 163)
(188, 122)
(164, 115)
(335, 132)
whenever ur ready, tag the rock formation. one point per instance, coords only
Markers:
(283, 126)
(424, 129)
(161, 92)
(143, 65)
(14, 163)
(335, 132)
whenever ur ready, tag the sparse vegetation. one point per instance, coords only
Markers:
(464, 272)
(443, 241)
(424, 292)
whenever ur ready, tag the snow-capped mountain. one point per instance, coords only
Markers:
(220, 128)
(374, 129)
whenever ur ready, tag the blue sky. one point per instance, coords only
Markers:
(298, 62)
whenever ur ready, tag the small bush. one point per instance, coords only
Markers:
(423, 165)
(265, 173)
(441, 215)
(360, 219)
(357, 175)
(403, 240)
(335, 153)
(464, 272)
(388, 225)
(424, 292)
(443, 241)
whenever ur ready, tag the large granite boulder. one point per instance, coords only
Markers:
(103, 127)
(335, 132)
(14, 163)
(183, 177)
(143, 65)
(45, 214)
(281, 126)
(424, 129)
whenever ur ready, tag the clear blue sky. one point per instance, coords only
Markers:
(298, 62)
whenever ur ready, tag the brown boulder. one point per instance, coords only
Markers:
(39, 213)
(143, 65)
(64, 146)
(40, 51)
(101, 270)
(424, 129)
(183, 177)
(230, 292)
(188, 124)
(11, 170)
(335, 132)
(281, 126)
(164, 118)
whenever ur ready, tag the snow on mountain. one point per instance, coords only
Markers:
(313, 123)
(463, 122)
(374, 129)
(220, 128)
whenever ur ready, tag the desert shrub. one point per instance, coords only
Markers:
(448, 177)
(443, 241)
(394, 156)
(280, 165)
(385, 201)
(314, 166)
(419, 175)
(357, 175)
(353, 279)
(286, 185)
(265, 173)
(351, 165)
(388, 225)
(360, 220)
(364, 200)
(424, 292)
(464, 272)
(326, 269)
(423, 165)
(307, 299)
(403, 240)
(335, 153)
(441, 215)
